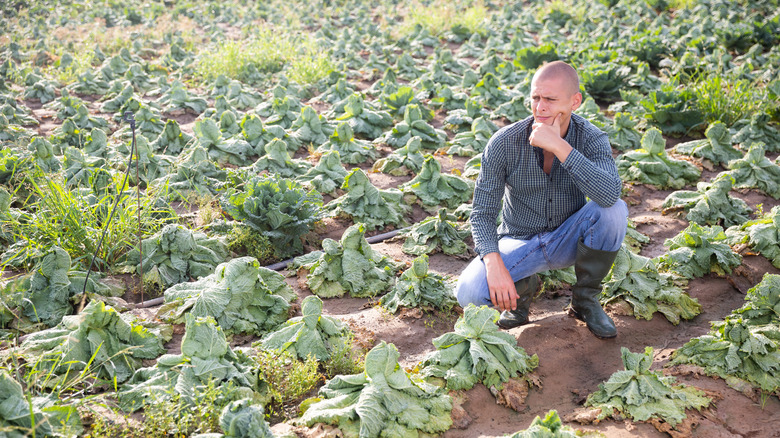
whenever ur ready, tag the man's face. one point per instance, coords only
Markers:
(553, 96)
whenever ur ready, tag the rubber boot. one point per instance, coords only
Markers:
(526, 289)
(591, 265)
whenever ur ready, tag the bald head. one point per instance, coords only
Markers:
(559, 70)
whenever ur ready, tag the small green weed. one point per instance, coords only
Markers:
(310, 67)
(243, 240)
(346, 359)
(65, 218)
(288, 379)
(168, 417)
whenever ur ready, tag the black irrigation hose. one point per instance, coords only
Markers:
(128, 117)
(281, 265)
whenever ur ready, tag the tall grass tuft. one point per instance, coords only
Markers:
(74, 221)
(268, 52)
(311, 66)
(727, 99)
(441, 16)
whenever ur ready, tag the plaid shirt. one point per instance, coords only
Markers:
(533, 202)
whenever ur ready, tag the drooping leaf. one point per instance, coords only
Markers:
(710, 204)
(312, 333)
(414, 125)
(641, 394)
(205, 358)
(762, 235)
(383, 399)
(716, 147)
(697, 251)
(241, 295)
(367, 204)
(636, 280)
(651, 165)
(351, 149)
(434, 188)
(745, 345)
(47, 415)
(756, 171)
(349, 266)
(112, 346)
(550, 426)
(437, 233)
(327, 176)
(178, 254)
(402, 161)
(417, 286)
(477, 351)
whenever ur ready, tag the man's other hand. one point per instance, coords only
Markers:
(502, 289)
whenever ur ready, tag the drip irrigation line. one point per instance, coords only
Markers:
(280, 265)
(128, 117)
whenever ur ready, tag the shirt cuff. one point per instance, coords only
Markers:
(484, 250)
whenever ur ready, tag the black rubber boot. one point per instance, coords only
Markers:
(526, 289)
(591, 265)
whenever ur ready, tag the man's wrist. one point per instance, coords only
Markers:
(563, 150)
(492, 260)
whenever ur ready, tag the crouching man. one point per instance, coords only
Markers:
(537, 173)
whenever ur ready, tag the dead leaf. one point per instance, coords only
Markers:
(513, 394)
(583, 416)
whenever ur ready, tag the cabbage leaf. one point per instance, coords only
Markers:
(241, 295)
(756, 171)
(176, 254)
(636, 280)
(112, 345)
(437, 233)
(366, 204)
(349, 266)
(477, 351)
(745, 345)
(205, 357)
(651, 165)
(641, 394)
(434, 188)
(710, 204)
(382, 401)
(417, 286)
(696, 251)
(312, 333)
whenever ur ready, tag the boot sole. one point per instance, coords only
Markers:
(578, 316)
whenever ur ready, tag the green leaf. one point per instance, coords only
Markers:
(639, 393)
(477, 347)
(383, 398)
(241, 295)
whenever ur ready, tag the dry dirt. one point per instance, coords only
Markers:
(573, 362)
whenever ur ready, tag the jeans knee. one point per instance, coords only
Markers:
(610, 225)
(472, 287)
(615, 216)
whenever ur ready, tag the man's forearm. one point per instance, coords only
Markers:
(601, 186)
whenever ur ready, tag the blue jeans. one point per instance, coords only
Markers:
(600, 228)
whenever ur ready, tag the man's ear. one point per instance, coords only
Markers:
(576, 100)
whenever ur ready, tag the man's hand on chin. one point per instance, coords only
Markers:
(548, 137)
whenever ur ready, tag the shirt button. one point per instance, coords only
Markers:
(550, 199)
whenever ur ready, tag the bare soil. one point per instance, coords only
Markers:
(573, 362)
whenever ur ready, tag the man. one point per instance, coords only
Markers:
(541, 169)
